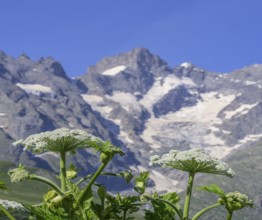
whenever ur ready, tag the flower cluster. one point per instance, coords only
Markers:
(194, 161)
(236, 200)
(18, 174)
(68, 139)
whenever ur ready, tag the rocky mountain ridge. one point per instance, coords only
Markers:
(135, 100)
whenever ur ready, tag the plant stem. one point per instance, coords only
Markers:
(200, 213)
(63, 170)
(90, 175)
(8, 214)
(102, 208)
(125, 211)
(188, 195)
(46, 181)
(81, 198)
(229, 216)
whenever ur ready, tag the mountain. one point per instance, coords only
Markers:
(137, 101)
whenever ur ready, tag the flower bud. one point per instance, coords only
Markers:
(221, 201)
(237, 200)
(140, 187)
(18, 174)
(105, 157)
(71, 174)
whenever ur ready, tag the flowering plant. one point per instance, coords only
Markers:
(232, 201)
(62, 141)
(192, 161)
(74, 200)
(195, 161)
(59, 140)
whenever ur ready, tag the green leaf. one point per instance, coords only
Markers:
(127, 175)
(101, 192)
(73, 188)
(171, 197)
(164, 207)
(213, 188)
(118, 203)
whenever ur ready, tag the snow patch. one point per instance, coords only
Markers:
(221, 151)
(97, 103)
(162, 182)
(213, 139)
(205, 111)
(204, 114)
(247, 82)
(242, 110)
(2, 114)
(127, 100)
(226, 132)
(34, 88)
(92, 98)
(114, 71)
(123, 136)
(43, 155)
(251, 137)
(186, 65)
(161, 87)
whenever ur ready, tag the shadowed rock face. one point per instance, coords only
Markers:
(135, 100)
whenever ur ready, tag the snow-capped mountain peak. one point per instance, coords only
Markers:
(137, 101)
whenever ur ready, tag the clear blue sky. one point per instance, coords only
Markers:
(218, 35)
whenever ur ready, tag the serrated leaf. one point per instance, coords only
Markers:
(213, 188)
(127, 175)
(171, 197)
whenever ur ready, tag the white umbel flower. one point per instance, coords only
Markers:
(18, 174)
(62, 139)
(194, 161)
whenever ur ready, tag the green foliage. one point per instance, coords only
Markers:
(163, 207)
(233, 201)
(86, 199)
(43, 212)
(120, 206)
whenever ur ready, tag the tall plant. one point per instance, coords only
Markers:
(67, 196)
(193, 161)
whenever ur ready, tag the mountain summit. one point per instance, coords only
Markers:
(135, 100)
